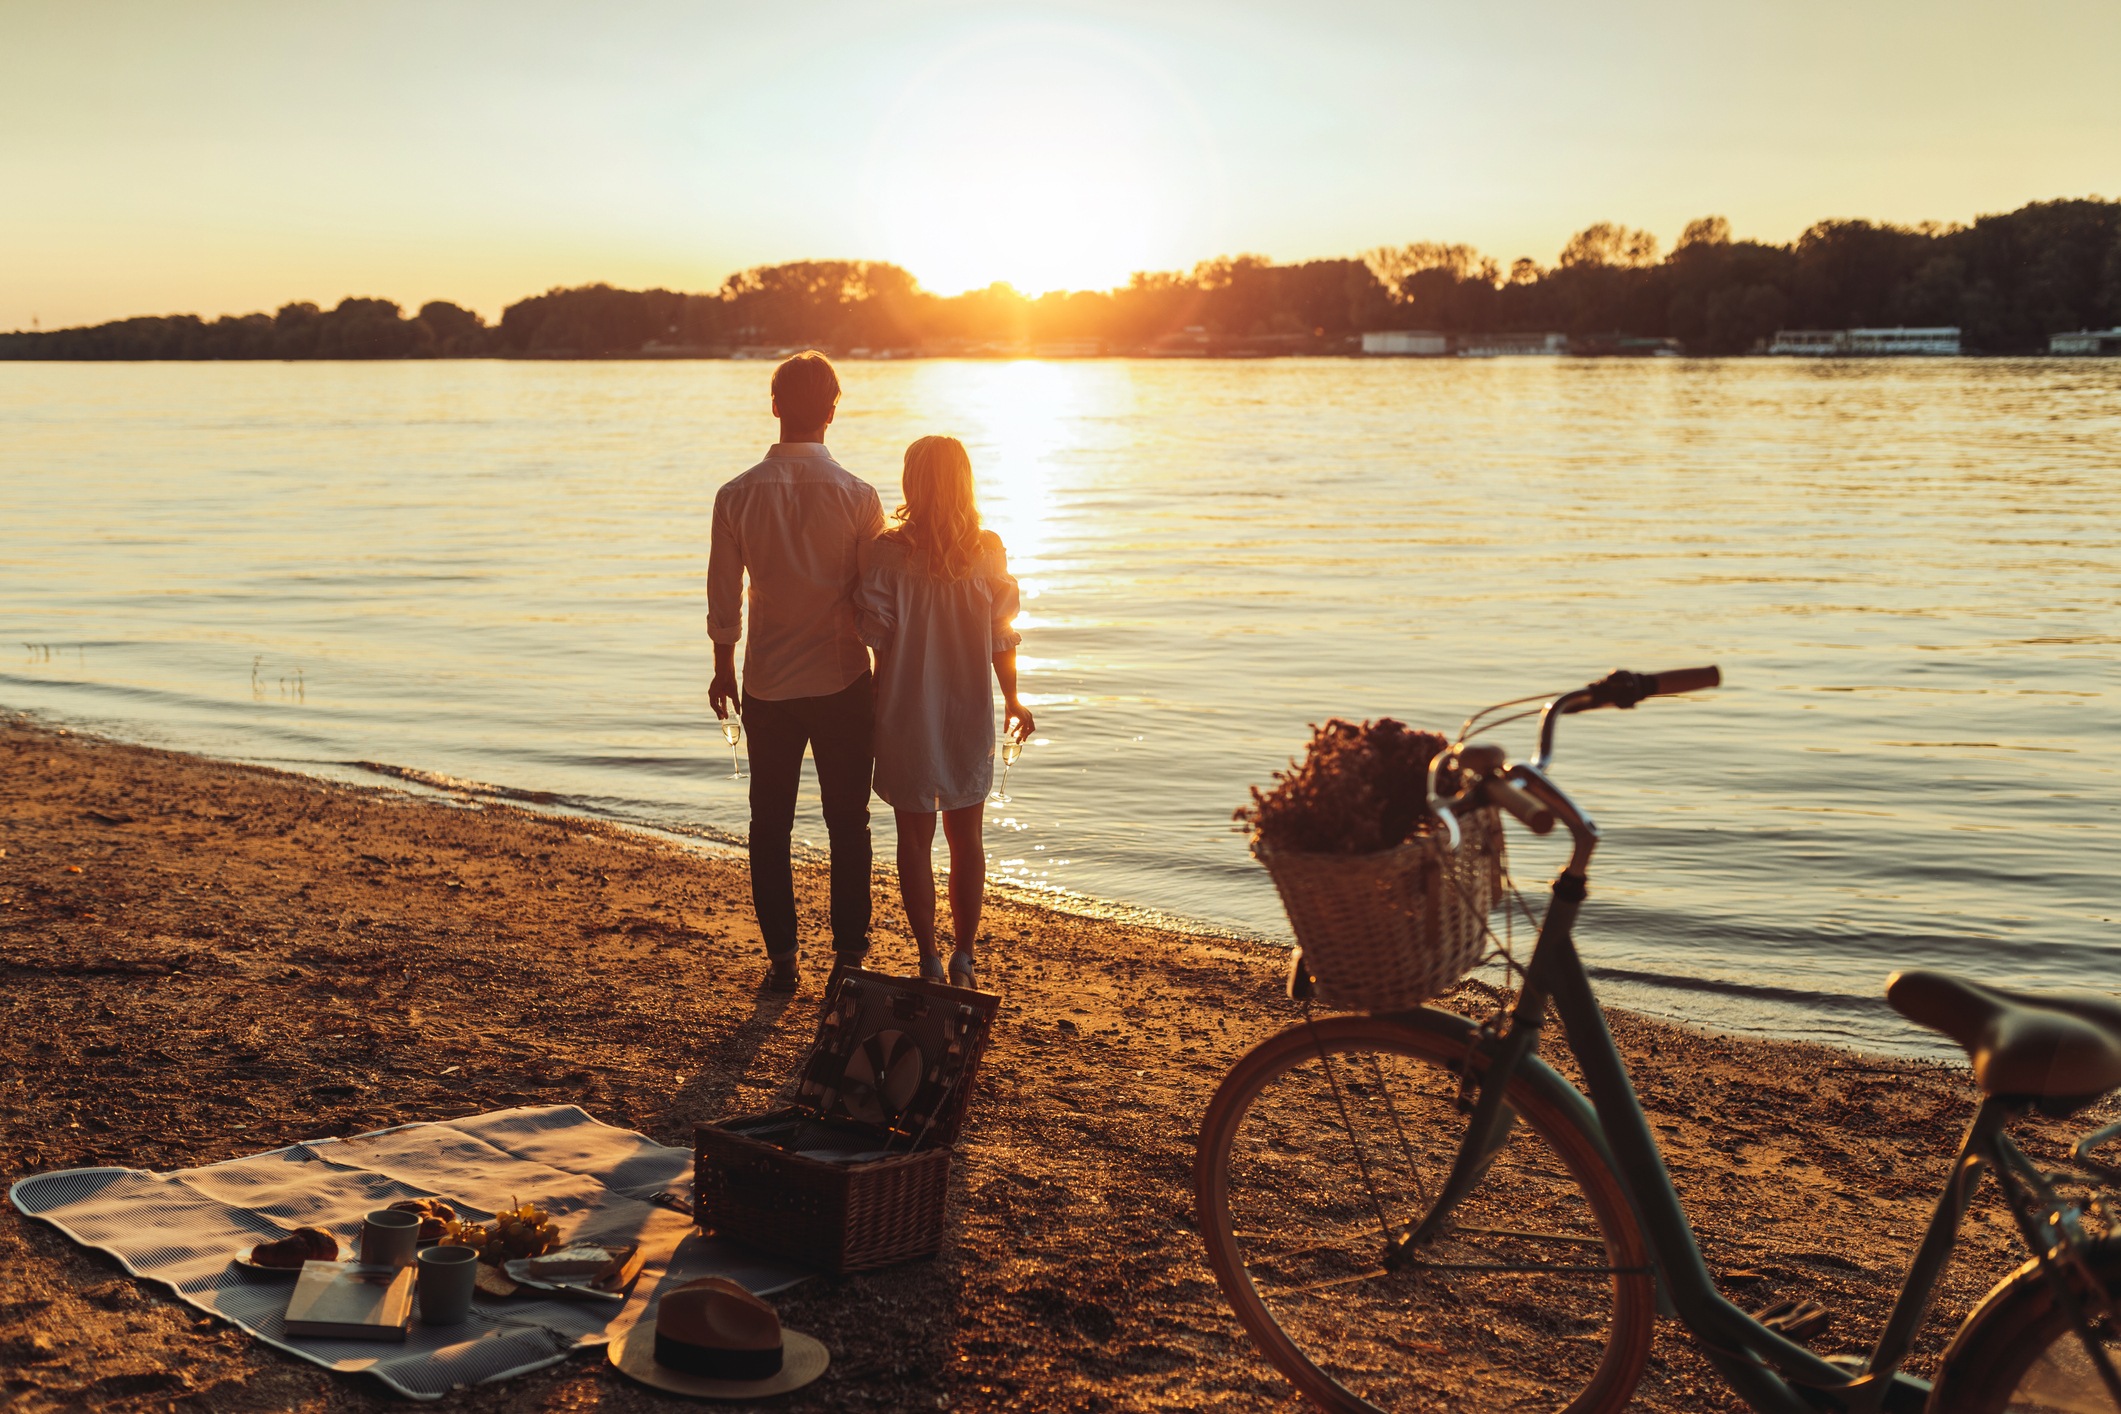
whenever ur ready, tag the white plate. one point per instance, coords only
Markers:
(518, 1269)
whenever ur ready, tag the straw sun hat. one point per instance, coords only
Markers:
(715, 1340)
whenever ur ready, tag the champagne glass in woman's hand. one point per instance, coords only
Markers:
(1016, 730)
(733, 732)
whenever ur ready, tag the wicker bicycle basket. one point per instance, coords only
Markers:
(1388, 931)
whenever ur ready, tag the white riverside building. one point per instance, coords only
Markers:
(1426, 343)
(2086, 341)
(1511, 345)
(1941, 340)
(1809, 343)
(1406, 343)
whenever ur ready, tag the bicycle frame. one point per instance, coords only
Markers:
(1770, 1372)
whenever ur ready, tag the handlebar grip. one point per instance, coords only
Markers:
(1624, 689)
(1686, 680)
(1519, 802)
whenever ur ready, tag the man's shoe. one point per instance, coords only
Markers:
(781, 975)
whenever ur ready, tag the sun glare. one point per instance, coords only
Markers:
(1046, 159)
(1018, 419)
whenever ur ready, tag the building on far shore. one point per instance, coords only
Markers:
(1864, 343)
(1810, 343)
(2086, 341)
(1426, 343)
(1510, 345)
(1406, 343)
(1623, 345)
(1941, 340)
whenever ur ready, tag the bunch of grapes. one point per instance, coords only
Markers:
(1359, 789)
(525, 1230)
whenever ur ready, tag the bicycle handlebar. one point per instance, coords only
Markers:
(1520, 802)
(1524, 791)
(1676, 680)
(1624, 689)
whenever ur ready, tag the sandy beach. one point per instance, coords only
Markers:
(204, 960)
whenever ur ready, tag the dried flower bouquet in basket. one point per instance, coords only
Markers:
(1385, 915)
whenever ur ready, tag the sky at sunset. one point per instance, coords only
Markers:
(223, 157)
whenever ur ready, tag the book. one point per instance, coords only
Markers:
(348, 1301)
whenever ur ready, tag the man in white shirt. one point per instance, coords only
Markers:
(794, 523)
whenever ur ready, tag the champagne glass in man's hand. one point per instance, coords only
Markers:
(733, 732)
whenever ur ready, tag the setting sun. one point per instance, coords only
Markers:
(1048, 158)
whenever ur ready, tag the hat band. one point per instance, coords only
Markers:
(715, 1362)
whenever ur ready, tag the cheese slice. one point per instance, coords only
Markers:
(569, 1262)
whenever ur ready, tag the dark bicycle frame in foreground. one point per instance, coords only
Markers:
(1769, 1371)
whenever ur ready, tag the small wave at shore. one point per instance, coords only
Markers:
(1766, 1012)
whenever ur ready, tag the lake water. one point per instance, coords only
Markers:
(1908, 571)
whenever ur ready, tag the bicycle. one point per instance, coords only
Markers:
(1414, 1210)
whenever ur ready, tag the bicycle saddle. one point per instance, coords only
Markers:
(2056, 1046)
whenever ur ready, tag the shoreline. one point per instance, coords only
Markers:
(423, 784)
(206, 959)
(1053, 900)
(1664, 1002)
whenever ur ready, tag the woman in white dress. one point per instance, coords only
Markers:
(935, 601)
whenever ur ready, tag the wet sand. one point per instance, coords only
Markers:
(200, 960)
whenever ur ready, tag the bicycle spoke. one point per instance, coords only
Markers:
(1334, 1159)
(1406, 1150)
(1339, 1281)
(1319, 1244)
(1539, 1236)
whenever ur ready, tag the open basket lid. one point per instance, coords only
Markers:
(898, 1053)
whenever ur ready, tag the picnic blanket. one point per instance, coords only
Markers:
(184, 1229)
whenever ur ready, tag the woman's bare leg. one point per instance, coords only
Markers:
(916, 876)
(968, 872)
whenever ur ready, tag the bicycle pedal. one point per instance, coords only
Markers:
(1797, 1320)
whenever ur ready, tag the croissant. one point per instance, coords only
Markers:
(433, 1213)
(304, 1244)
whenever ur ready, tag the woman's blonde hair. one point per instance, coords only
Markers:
(940, 518)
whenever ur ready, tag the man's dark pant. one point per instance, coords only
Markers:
(841, 733)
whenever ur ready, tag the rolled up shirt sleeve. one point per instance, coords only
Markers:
(725, 577)
(875, 605)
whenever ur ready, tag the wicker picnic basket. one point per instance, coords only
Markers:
(1388, 931)
(890, 1073)
(837, 1217)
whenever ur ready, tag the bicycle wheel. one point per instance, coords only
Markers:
(1296, 1207)
(2019, 1351)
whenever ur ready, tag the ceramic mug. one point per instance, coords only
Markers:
(447, 1275)
(389, 1237)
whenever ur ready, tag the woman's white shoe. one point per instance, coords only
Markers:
(962, 971)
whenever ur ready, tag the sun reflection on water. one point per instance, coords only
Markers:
(1032, 414)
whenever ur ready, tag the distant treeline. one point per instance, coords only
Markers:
(2006, 281)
